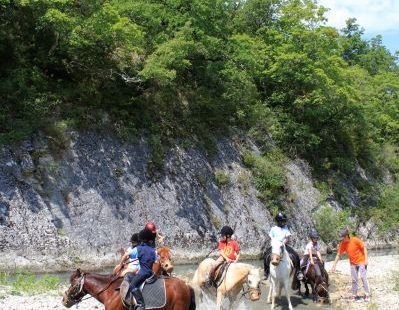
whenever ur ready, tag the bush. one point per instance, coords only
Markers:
(329, 222)
(4, 278)
(32, 284)
(396, 281)
(221, 178)
(387, 213)
(269, 172)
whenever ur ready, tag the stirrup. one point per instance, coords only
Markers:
(208, 284)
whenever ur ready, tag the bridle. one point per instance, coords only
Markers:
(73, 295)
(250, 291)
(281, 252)
(74, 292)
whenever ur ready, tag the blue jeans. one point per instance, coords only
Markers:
(136, 280)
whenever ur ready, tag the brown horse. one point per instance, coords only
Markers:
(317, 277)
(163, 266)
(179, 296)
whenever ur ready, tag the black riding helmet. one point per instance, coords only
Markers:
(146, 236)
(314, 235)
(281, 217)
(227, 231)
(134, 238)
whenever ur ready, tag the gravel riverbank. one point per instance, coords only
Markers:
(381, 275)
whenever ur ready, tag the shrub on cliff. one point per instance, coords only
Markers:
(329, 222)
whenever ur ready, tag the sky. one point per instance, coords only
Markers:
(375, 16)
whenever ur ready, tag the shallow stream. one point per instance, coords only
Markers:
(186, 272)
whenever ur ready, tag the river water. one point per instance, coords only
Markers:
(186, 272)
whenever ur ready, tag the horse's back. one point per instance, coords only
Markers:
(202, 271)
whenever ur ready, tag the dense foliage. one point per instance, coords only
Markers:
(183, 69)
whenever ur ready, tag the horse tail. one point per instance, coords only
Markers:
(192, 299)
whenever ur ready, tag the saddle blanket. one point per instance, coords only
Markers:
(154, 294)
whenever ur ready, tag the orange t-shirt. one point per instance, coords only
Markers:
(230, 248)
(355, 250)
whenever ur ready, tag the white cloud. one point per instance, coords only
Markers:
(376, 16)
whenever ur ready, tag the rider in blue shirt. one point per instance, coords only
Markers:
(146, 255)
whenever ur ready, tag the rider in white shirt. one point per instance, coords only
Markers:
(282, 233)
(312, 251)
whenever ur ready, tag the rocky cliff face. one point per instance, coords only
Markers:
(79, 206)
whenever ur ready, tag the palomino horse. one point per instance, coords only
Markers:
(280, 272)
(163, 266)
(179, 296)
(237, 275)
(317, 277)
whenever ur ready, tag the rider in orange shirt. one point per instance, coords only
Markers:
(358, 258)
(228, 250)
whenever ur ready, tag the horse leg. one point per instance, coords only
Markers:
(306, 290)
(269, 296)
(280, 287)
(314, 293)
(273, 293)
(287, 293)
(219, 297)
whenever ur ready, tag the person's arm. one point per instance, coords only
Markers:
(366, 256)
(319, 256)
(335, 263)
(287, 238)
(311, 256)
(124, 258)
(237, 257)
(160, 238)
(221, 252)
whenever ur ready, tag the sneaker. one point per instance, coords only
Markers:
(366, 298)
(353, 298)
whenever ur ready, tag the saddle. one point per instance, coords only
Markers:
(153, 290)
(220, 273)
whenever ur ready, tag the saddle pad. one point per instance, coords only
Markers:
(154, 294)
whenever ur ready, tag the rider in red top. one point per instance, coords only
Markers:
(228, 250)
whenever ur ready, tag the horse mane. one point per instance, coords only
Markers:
(246, 266)
(164, 249)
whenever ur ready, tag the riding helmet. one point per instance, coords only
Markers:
(146, 236)
(227, 231)
(151, 227)
(134, 238)
(281, 217)
(314, 235)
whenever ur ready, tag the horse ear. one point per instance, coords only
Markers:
(78, 272)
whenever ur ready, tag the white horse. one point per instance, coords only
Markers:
(280, 272)
(236, 276)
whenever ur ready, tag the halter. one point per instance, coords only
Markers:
(79, 287)
(250, 290)
(76, 290)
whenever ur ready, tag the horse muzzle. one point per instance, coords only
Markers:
(254, 294)
(275, 259)
(66, 301)
(167, 266)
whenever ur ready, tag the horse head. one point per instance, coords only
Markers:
(277, 251)
(322, 286)
(253, 281)
(164, 259)
(75, 292)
